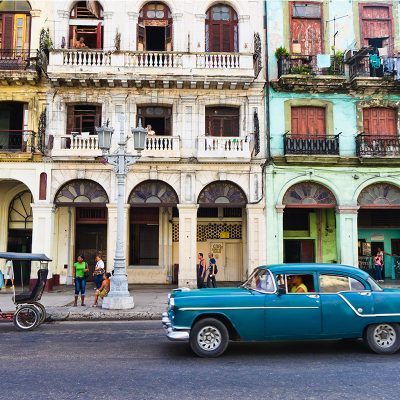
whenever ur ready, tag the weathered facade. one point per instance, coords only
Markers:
(192, 74)
(333, 188)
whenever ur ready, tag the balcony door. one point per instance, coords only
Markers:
(308, 121)
(376, 25)
(222, 121)
(83, 118)
(306, 28)
(154, 30)
(221, 29)
(157, 120)
(380, 121)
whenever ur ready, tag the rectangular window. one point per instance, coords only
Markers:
(308, 121)
(222, 121)
(83, 118)
(306, 28)
(380, 121)
(157, 119)
(376, 25)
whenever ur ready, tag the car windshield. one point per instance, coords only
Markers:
(374, 285)
(260, 280)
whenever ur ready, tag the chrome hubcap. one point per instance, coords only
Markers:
(384, 336)
(209, 338)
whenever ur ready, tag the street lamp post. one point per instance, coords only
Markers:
(119, 298)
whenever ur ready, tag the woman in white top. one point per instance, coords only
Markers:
(9, 273)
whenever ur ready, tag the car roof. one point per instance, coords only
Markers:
(311, 267)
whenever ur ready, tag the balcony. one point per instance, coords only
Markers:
(311, 145)
(231, 148)
(307, 65)
(377, 146)
(86, 146)
(301, 73)
(17, 143)
(83, 67)
(24, 66)
(362, 75)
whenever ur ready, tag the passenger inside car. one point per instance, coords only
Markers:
(294, 283)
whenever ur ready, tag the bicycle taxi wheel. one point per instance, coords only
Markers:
(42, 311)
(26, 317)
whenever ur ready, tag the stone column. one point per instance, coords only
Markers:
(130, 42)
(43, 236)
(61, 29)
(109, 32)
(256, 254)
(112, 234)
(347, 234)
(187, 244)
(245, 40)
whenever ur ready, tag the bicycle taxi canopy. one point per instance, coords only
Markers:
(25, 257)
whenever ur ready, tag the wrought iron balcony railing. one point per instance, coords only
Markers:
(17, 141)
(377, 146)
(307, 65)
(311, 144)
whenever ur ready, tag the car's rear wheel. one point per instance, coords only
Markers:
(383, 338)
(209, 338)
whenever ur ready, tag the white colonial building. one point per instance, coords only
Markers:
(192, 73)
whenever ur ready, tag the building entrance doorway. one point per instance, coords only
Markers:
(20, 241)
(299, 251)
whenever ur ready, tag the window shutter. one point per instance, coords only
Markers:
(98, 117)
(227, 44)
(167, 126)
(8, 32)
(141, 45)
(99, 40)
(168, 38)
(70, 119)
(215, 44)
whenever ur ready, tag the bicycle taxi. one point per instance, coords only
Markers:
(29, 312)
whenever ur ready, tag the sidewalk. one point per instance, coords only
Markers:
(150, 303)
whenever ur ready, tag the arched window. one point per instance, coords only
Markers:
(221, 29)
(154, 30)
(86, 30)
(15, 30)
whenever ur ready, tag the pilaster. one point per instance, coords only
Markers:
(255, 236)
(187, 244)
(347, 234)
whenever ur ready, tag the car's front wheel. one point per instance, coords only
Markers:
(209, 338)
(383, 338)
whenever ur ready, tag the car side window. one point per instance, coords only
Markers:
(296, 283)
(356, 285)
(333, 283)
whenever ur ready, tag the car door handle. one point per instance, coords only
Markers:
(313, 296)
(365, 293)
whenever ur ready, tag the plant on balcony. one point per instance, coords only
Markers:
(117, 40)
(281, 52)
(301, 70)
(45, 42)
(337, 63)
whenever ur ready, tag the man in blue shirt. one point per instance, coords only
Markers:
(211, 271)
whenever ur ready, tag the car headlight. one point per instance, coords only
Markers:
(171, 303)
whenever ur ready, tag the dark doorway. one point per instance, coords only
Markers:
(160, 119)
(155, 38)
(298, 251)
(396, 247)
(20, 241)
(91, 239)
(11, 125)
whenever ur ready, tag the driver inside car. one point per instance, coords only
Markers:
(296, 285)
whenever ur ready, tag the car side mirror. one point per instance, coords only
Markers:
(281, 291)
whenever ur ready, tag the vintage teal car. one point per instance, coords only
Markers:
(287, 302)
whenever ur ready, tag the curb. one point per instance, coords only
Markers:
(101, 315)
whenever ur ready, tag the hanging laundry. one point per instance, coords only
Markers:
(323, 60)
(397, 75)
(375, 61)
(389, 65)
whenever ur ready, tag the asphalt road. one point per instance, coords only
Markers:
(133, 360)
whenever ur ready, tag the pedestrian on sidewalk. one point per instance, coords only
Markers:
(99, 271)
(9, 273)
(1, 279)
(201, 272)
(378, 266)
(80, 272)
(104, 289)
(212, 270)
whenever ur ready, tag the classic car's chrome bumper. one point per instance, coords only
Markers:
(170, 332)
